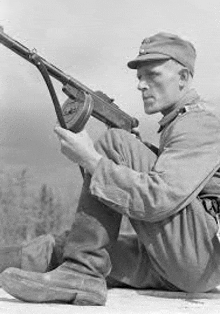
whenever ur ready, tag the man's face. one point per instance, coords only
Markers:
(159, 83)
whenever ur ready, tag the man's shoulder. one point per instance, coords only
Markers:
(200, 112)
(196, 119)
(196, 107)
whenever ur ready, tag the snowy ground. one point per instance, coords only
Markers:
(123, 301)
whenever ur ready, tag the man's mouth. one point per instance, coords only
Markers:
(145, 98)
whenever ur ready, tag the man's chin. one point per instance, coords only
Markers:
(150, 108)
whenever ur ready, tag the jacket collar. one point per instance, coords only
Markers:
(191, 97)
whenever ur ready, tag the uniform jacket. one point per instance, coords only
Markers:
(186, 168)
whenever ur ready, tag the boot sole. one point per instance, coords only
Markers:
(30, 291)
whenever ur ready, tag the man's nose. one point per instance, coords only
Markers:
(142, 84)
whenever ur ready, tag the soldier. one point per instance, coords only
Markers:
(171, 199)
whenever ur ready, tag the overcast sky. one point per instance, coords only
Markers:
(92, 40)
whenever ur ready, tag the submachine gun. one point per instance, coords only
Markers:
(82, 102)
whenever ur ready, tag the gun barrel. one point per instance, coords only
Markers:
(26, 53)
(108, 113)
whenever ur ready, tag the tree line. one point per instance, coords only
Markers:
(27, 211)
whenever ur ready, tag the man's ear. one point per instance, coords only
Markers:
(184, 77)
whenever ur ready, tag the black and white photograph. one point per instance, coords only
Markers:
(109, 156)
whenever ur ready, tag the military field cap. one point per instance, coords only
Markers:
(164, 46)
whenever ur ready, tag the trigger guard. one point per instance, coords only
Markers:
(76, 112)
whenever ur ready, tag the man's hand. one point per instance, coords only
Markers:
(79, 148)
(136, 133)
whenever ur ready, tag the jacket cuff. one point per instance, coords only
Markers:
(104, 188)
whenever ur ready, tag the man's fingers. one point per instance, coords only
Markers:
(62, 133)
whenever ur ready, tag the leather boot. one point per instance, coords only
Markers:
(34, 255)
(10, 256)
(81, 278)
(60, 285)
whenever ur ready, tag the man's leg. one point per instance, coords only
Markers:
(184, 249)
(42, 254)
(81, 278)
(132, 267)
(34, 255)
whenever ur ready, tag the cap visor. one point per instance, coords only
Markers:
(133, 64)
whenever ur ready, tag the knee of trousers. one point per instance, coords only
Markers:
(123, 148)
(113, 140)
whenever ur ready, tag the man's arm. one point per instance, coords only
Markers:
(190, 157)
